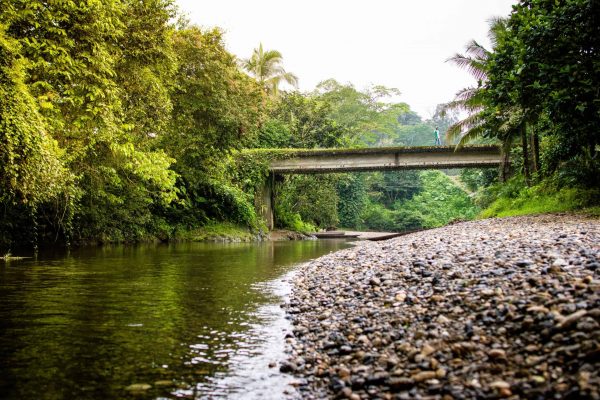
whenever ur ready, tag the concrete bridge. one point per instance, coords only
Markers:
(372, 159)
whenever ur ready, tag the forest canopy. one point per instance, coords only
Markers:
(121, 121)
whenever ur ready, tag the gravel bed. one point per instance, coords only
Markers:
(499, 308)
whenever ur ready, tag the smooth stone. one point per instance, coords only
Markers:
(424, 375)
(138, 387)
(571, 319)
(497, 354)
(398, 384)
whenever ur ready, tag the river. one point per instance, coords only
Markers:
(191, 320)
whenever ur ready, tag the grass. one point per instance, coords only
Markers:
(540, 199)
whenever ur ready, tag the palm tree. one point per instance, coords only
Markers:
(472, 99)
(266, 67)
(511, 121)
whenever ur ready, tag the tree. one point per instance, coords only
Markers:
(352, 192)
(216, 108)
(313, 197)
(439, 202)
(366, 115)
(75, 62)
(145, 68)
(266, 67)
(472, 99)
(299, 121)
(546, 65)
(31, 167)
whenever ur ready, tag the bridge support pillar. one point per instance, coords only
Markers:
(264, 201)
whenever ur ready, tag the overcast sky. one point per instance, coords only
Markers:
(396, 43)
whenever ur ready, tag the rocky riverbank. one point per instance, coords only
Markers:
(485, 309)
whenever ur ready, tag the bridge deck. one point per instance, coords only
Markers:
(388, 158)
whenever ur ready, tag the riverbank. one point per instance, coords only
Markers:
(481, 309)
(232, 233)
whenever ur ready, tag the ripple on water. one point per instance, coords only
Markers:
(263, 344)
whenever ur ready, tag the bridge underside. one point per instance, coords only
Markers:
(378, 159)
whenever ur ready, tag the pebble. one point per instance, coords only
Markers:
(423, 376)
(497, 354)
(498, 308)
(571, 319)
(138, 387)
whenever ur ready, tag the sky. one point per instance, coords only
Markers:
(396, 43)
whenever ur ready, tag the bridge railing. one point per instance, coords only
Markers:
(385, 158)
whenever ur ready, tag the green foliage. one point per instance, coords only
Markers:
(239, 205)
(378, 218)
(114, 123)
(216, 106)
(304, 121)
(266, 67)
(393, 186)
(353, 198)
(367, 118)
(216, 232)
(545, 69)
(439, 202)
(31, 166)
(292, 220)
(419, 134)
(313, 197)
(543, 198)
(145, 68)
(475, 178)
(274, 134)
(583, 169)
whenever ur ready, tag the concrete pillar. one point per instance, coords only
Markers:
(263, 201)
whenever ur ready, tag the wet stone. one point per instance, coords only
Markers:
(138, 387)
(398, 384)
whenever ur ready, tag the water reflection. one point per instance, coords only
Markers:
(90, 323)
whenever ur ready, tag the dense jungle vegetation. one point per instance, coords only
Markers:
(120, 121)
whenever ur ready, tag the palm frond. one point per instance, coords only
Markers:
(498, 25)
(474, 66)
(474, 49)
(463, 105)
(265, 66)
(462, 127)
(290, 78)
(466, 94)
(471, 135)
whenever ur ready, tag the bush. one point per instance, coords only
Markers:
(377, 217)
(543, 198)
(292, 221)
(440, 201)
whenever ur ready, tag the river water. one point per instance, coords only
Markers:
(192, 320)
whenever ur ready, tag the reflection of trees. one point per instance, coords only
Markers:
(100, 319)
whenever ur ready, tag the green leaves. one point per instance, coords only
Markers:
(546, 65)
(31, 169)
(266, 67)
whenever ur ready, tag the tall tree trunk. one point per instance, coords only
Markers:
(535, 151)
(505, 164)
(525, 154)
